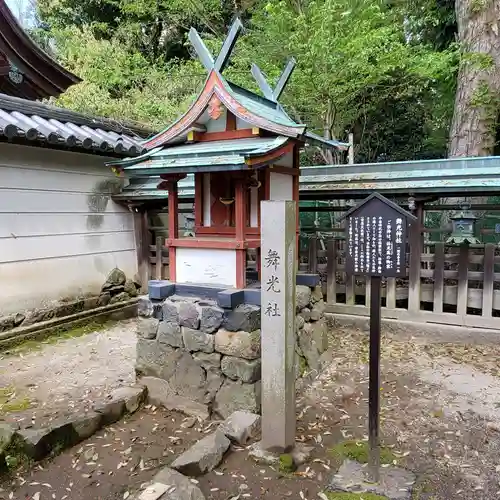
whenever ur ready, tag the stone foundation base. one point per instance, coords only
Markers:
(211, 356)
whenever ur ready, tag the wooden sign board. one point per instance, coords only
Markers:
(376, 235)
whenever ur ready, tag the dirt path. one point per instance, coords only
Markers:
(440, 419)
(54, 379)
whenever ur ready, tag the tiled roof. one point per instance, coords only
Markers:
(39, 123)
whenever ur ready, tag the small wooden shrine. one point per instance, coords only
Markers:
(242, 148)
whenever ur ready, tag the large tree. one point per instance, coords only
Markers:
(474, 130)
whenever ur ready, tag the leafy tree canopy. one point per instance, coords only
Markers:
(383, 70)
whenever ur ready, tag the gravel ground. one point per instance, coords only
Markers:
(440, 416)
(54, 379)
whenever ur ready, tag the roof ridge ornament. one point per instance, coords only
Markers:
(269, 93)
(205, 55)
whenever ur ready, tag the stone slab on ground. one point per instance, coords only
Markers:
(86, 424)
(133, 397)
(395, 483)
(169, 484)
(179, 487)
(241, 426)
(203, 456)
(300, 454)
(161, 393)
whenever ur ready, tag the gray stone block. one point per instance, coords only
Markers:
(305, 314)
(160, 393)
(115, 278)
(104, 299)
(213, 384)
(233, 396)
(317, 294)
(300, 454)
(86, 424)
(196, 340)
(6, 436)
(170, 311)
(203, 456)
(241, 369)
(239, 344)
(395, 483)
(313, 342)
(229, 299)
(188, 379)
(147, 327)
(299, 322)
(244, 317)
(133, 397)
(180, 487)
(111, 410)
(211, 318)
(252, 296)
(160, 289)
(155, 358)
(241, 426)
(170, 334)
(318, 310)
(302, 296)
(309, 280)
(121, 297)
(38, 443)
(189, 315)
(208, 361)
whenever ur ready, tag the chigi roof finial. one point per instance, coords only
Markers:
(269, 93)
(205, 55)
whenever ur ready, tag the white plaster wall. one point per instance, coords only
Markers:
(281, 186)
(207, 201)
(58, 236)
(206, 266)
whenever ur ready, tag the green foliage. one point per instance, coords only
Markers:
(383, 70)
(354, 66)
(122, 84)
(358, 451)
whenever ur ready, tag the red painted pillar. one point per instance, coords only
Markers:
(240, 226)
(173, 226)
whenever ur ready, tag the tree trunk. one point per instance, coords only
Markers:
(477, 102)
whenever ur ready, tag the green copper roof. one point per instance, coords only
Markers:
(261, 106)
(447, 176)
(440, 177)
(203, 156)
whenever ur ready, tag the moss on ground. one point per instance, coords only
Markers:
(286, 465)
(354, 496)
(10, 403)
(59, 333)
(358, 451)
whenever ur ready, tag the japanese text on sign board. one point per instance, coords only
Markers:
(376, 245)
(273, 262)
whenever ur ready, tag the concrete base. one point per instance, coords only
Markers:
(395, 483)
(300, 454)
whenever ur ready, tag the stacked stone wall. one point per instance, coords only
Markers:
(191, 349)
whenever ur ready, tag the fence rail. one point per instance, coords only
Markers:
(445, 284)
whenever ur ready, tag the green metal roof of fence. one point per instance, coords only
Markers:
(446, 176)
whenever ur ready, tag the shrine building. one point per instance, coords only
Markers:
(242, 148)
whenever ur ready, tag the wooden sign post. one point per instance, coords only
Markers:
(376, 243)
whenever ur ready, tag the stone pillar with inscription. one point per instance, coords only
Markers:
(278, 277)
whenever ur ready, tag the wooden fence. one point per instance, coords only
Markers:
(446, 284)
